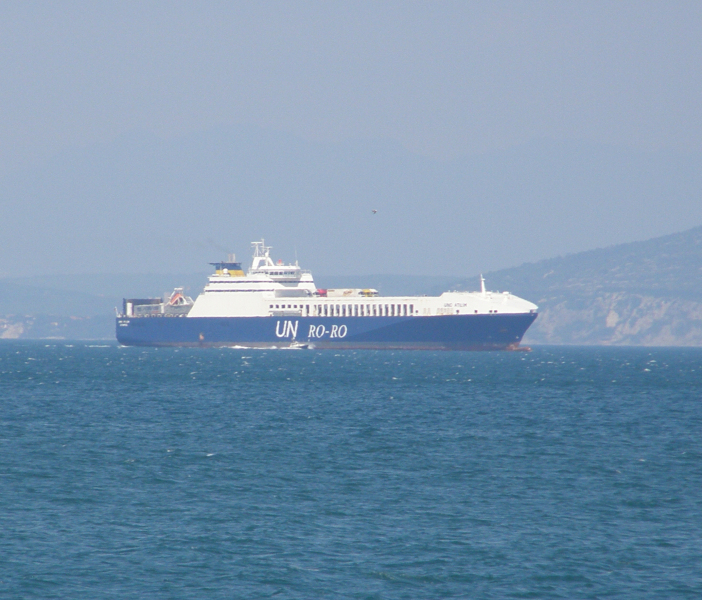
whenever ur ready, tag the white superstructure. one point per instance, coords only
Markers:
(271, 289)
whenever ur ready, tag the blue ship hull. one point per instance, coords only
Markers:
(450, 332)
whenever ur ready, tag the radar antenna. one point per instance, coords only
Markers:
(261, 255)
(260, 249)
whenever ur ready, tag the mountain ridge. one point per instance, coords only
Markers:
(638, 293)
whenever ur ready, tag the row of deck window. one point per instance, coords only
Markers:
(350, 310)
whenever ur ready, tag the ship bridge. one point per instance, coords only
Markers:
(263, 264)
(229, 291)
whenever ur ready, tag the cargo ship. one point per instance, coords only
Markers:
(276, 305)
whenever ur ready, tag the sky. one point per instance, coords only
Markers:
(428, 89)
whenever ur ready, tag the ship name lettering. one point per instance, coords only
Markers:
(319, 331)
(316, 331)
(288, 329)
(339, 331)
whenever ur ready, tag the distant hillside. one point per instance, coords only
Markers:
(87, 295)
(642, 293)
(78, 306)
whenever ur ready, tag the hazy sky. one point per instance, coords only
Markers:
(444, 80)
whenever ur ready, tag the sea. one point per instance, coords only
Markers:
(565, 472)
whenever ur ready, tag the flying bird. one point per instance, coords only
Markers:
(375, 210)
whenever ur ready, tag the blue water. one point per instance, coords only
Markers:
(223, 473)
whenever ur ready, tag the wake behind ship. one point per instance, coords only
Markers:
(277, 305)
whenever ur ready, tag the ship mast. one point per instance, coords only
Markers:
(261, 255)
